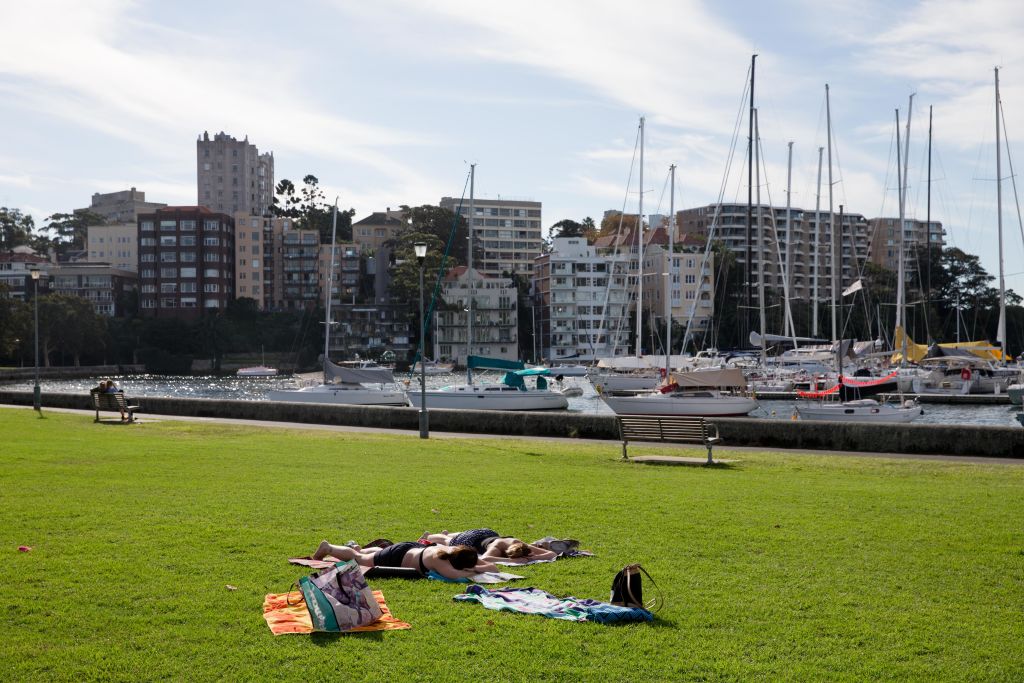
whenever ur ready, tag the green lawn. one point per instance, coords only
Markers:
(781, 567)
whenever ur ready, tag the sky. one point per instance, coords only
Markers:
(388, 102)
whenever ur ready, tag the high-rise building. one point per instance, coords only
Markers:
(120, 207)
(689, 285)
(506, 233)
(275, 263)
(495, 317)
(232, 176)
(884, 241)
(372, 232)
(186, 261)
(582, 301)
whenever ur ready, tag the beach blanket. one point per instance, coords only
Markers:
(283, 617)
(536, 601)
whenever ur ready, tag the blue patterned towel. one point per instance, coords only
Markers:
(536, 601)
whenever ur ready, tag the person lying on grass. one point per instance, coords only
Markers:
(492, 546)
(451, 562)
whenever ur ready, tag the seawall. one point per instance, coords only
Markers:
(1001, 442)
(70, 372)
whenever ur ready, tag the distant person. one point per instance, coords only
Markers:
(111, 388)
(455, 562)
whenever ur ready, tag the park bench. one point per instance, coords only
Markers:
(667, 428)
(114, 401)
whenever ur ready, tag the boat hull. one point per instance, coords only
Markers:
(360, 396)
(479, 398)
(842, 412)
(259, 371)
(612, 383)
(695, 406)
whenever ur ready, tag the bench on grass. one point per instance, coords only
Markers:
(114, 401)
(667, 428)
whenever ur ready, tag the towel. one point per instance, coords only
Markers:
(283, 617)
(536, 601)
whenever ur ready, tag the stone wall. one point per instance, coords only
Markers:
(1003, 442)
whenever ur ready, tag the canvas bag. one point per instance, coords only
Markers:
(627, 589)
(338, 599)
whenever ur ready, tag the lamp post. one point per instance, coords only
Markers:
(36, 400)
(421, 254)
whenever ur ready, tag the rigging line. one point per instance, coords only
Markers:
(1013, 177)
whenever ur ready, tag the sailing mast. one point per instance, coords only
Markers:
(668, 267)
(750, 195)
(787, 323)
(640, 248)
(760, 243)
(815, 250)
(928, 234)
(901, 289)
(1001, 331)
(832, 223)
(330, 289)
(469, 277)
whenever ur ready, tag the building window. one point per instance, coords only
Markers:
(147, 258)
(188, 256)
(168, 272)
(146, 226)
(168, 287)
(148, 272)
(188, 272)
(211, 272)
(147, 242)
(211, 288)
(211, 241)
(149, 303)
(188, 240)
(168, 302)
(188, 287)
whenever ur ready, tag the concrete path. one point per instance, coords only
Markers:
(142, 418)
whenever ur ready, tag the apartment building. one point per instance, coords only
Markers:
(232, 176)
(367, 330)
(121, 207)
(495, 313)
(779, 236)
(186, 261)
(103, 286)
(686, 280)
(506, 233)
(582, 301)
(372, 232)
(16, 268)
(115, 244)
(884, 241)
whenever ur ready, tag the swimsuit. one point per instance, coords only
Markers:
(393, 555)
(477, 539)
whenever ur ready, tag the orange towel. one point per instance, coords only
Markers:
(294, 618)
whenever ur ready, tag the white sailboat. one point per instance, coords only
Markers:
(867, 409)
(694, 393)
(261, 370)
(509, 394)
(362, 386)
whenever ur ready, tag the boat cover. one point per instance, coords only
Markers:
(340, 374)
(721, 377)
(474, 362)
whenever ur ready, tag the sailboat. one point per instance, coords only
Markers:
(260, 370)
(509, 394)
(865, 409)
(692, 393)
(344, 385)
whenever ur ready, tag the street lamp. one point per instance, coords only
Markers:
(34, 271)
(421, 254)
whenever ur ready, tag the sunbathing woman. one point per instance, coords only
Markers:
(492, 546)
(450, 562)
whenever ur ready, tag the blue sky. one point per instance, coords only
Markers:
(386, 102)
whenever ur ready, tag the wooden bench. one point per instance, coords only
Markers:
(114, 401)
(667, 428)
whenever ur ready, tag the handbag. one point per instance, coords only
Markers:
(627, 589)
(338, 599)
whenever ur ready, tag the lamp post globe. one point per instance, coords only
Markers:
(420, 249)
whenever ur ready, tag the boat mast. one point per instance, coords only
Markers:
(815, 255)
(832, 221)
(330, 288)
(1001, 331)
(750, 195)
(838, 345)
(469, 277)
(928, 234)
(668, 267)
(760, 242)
(901, 288)
(640, 248)
(787, 278)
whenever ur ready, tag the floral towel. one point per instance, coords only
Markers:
(536, 601)
(287, 613)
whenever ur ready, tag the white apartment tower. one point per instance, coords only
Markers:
(495, 317)
(506, 233)
(232, 176)
(581, 302)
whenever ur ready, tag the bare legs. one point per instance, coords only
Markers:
(344, 552)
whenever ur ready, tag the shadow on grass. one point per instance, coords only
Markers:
(323, 639)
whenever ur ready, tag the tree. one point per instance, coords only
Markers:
(71, 230)
(306, 206)
(15, 228)
(437, 222)
(566, 228)
(15, 323)
(611, 222)
(68, 324)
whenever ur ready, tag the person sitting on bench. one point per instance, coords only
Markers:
(111, 388)
(454, 562)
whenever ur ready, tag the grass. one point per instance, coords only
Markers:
(782, 567)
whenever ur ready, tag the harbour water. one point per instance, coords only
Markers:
(255, 389)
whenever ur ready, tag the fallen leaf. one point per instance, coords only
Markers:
(490, 623)
(231, 588)
(24, 548)
(435, 511)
